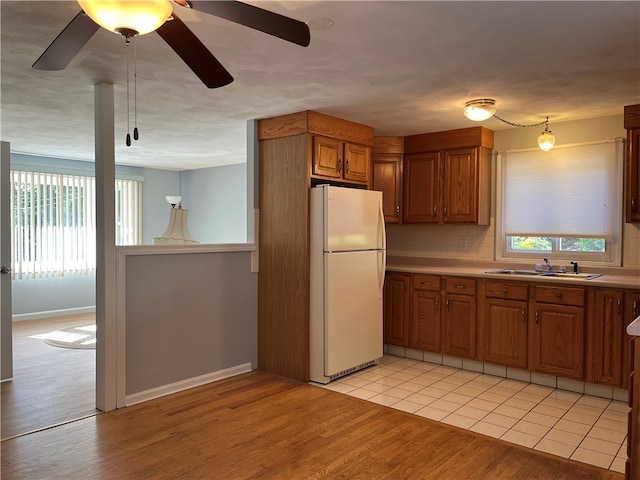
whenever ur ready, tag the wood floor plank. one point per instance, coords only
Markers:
(261, 426)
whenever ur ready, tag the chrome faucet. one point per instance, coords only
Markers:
(549, 267)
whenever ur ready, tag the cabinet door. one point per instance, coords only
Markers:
(460, 203)
(396, 309)
(421, 188)
(460, 326)
(631, 312)
(356, 162)
(425, 333)
(327, 157)
(557, 340)
(505, 332)
(607, 338)
(633, 176)
(387, 178)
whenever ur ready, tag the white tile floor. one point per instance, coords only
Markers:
(571, 425)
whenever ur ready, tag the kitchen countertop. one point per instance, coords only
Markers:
(610, 277)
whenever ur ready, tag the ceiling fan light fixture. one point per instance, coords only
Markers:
(140, 16)
(480, 109)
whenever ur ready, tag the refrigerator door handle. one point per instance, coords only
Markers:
(382, 241)
(382, 266)
(382, 237)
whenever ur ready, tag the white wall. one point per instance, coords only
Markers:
(445, 241)
(216, 199)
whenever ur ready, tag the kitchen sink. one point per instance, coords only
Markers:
(547, 273)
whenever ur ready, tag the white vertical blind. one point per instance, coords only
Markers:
(565, 192)
(53, 222)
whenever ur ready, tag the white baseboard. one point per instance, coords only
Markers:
(21, 317)
(139, 397)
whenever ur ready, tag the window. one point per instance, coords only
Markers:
(564, 204)
(53, 222)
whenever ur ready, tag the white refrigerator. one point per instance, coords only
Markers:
(348, 259)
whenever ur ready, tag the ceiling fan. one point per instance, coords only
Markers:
(120, 16)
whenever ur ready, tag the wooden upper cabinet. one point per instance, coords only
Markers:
(327, 157)
(632, 170)
(447, 177)
(460, 186)
(386, 175)
(335, 159)
(422, 188)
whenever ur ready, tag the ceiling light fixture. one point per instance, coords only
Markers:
(484, 108)
(480, 109)
(128, 17)
(547, 139)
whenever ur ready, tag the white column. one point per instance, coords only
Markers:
(106, 364)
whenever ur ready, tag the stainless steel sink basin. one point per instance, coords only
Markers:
(546, 273)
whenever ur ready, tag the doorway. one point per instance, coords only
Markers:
(51, 384)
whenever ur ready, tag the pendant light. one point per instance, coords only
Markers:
(547, 139)
(481, 109)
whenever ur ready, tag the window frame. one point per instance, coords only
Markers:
(612, 257)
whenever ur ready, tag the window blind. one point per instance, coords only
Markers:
(53, 221)
(565, 192)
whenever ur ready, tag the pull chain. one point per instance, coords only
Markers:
(135, 90)
(128, 138)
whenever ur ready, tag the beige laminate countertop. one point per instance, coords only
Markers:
(610, 277)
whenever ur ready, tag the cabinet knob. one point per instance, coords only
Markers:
(505, 291)
(340, 165)
(397, 210)
(435, 210)
(634, 204)
(524, 314)
(558, 295)
(347, 169)
(460, 287)
(537, 316)
(444, 210)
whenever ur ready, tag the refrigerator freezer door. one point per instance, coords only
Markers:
(353, 310)
(353, 219)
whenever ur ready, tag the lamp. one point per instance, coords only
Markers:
(173, 200)
(128, 17)
(546, 138)
(480, 109)
(483, 108)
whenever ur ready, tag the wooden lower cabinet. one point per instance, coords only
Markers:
(425, 332)
(632, 466)
(504, 333)
(606, 333)
(460, 318)
(557, 332)
(396, 306)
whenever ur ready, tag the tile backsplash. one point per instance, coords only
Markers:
(474, 242)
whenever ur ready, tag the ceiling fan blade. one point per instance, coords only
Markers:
(257, 18)
(67, 44)
(194, 53)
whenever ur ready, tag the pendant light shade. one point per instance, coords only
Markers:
(138, 16)
(546, 140)
(480, 109)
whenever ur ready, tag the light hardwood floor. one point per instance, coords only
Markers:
(51, 384)
(261, 426)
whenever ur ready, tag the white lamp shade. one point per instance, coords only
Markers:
(546, 140)
(143, 16)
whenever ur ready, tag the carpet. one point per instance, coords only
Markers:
(81, 336)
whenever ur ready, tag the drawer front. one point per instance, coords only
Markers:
(463, 286)
(426, 282)
(512, 291)
(560, 295)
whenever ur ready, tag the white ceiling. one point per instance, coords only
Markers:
(401, 67)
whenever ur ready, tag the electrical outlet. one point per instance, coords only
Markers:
(463, 246)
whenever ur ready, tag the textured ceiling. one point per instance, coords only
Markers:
(401, 67)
